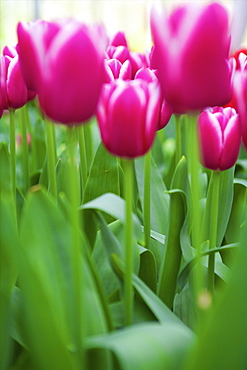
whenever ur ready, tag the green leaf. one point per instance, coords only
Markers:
(172, 259)
(114, 206)
(9, 252)
(148, 269)
(239, 205)
(187, 267)
(225, 205)
(159, 199)
(158, 308)
(5, 179)
(144, 345)
(222, 340)
(104, 171)
(47, 282)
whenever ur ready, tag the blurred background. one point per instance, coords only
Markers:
(131, 16)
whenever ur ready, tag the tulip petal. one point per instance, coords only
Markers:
(211, 140)
(231, 144)
(16, 87)
(126, 120)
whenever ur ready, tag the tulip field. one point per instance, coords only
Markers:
(123, 195)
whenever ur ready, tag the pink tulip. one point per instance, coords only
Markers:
(119, 39)
(191, 50)
(165, 109)
(128, 113)
(240, 94)
(115, 69)
(64, 64)
(14, 93)
(220, 137)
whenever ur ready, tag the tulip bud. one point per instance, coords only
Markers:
(128, 113)
(191, 50)
(220, 137)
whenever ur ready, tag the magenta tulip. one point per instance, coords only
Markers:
(240, 94)
(220, 137)
(165, 109)
(191, 50)
(14, 93)
(115, 69)
(128, 113)
(64, 64)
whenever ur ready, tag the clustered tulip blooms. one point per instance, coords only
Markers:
(64, 64)
(220, 137)
(191, 51)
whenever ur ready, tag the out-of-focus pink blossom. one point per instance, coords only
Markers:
(191, 51)
(220, 137)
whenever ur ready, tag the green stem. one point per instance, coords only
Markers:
(215, 178)
(128, 290)
(51, 158)
(194, 167)
(147, 192)
(83, 157)
(89, 143)
(24, 146)
(78, 307)
(178, 138)
(13, 153)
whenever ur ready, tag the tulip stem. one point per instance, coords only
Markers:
(77, 271)
(24, 146)
(83, 157)
(51, 158)
(192, 147)
(128, 290)
(12, 150)
(215, 179)
(147, 190)
(178, 138)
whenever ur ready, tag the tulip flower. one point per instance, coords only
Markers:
(64, 64)
(14, 93)
(165, 109)
(128, 113)
(239, 99)
(191, 50)
(115, 69)
(220, 137)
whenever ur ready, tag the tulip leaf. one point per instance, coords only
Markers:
(48, 284)
(148, 269)
(237, 214)
(157, 307)
(114, 206)
(159, 199)
(9, 250)
(187, 267)
(222, 340)
(225, 205)
(5, 179)
(163, 346)
(104, 171)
